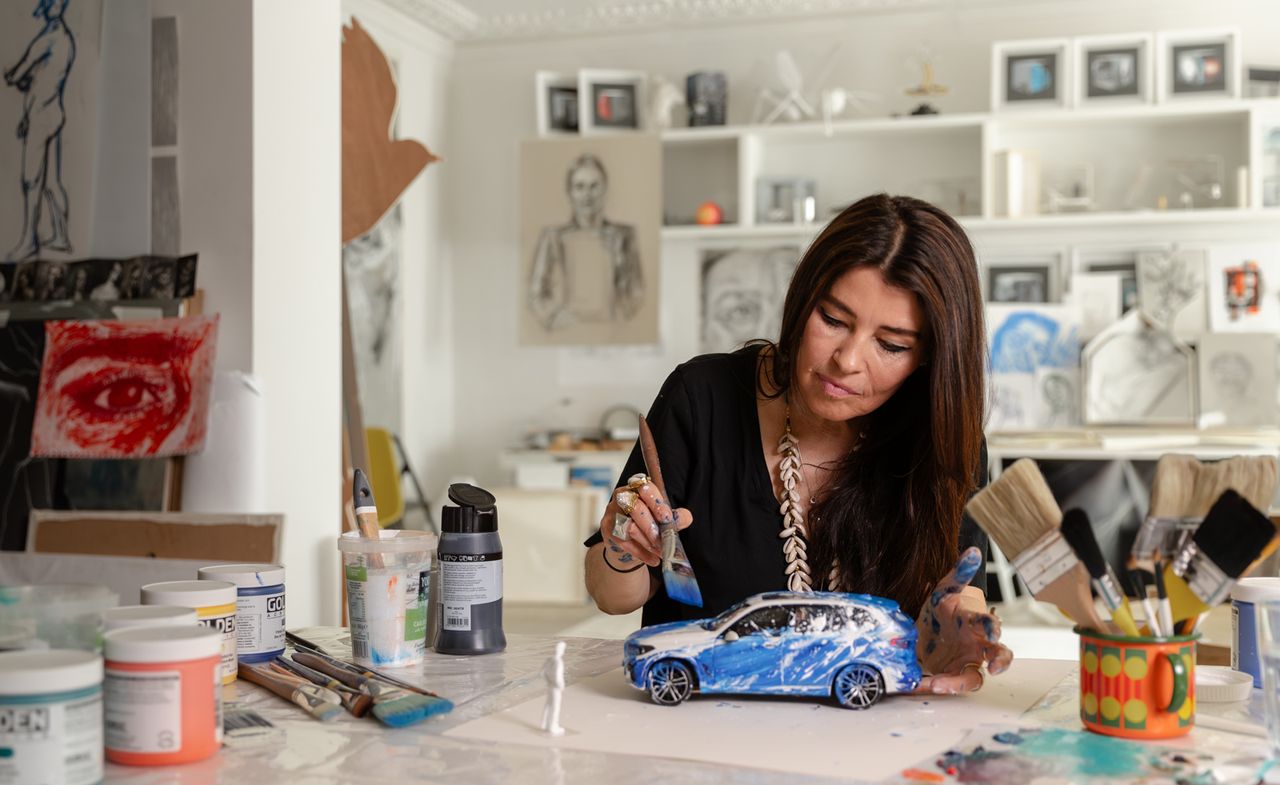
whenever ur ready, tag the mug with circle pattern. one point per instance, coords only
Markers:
(1137, 688)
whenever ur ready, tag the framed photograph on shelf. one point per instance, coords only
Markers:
(1033, 74)
(610, 101)
(557, 100)
(1114, 69)
(1198, 64)
(1119, 259)
(786, 200)
(1022, 278)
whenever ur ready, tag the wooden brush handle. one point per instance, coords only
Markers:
(315, 663)
(1070, 592)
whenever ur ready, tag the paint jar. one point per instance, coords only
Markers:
(54, 616)
(51, 717)
(259, 608)
(146, 616)
(1245, 596)
(1137, 688)
(215, 605)
(387, 586)
(470, 605)
(163, 694)
(1268, 614)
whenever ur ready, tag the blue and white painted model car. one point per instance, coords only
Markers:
(853, 647)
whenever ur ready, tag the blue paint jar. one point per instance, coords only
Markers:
(259, 607)
(51, 717)
(1245, 596)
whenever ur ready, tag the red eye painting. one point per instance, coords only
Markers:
(124, 389)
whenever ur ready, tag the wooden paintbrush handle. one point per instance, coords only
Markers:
(315, 663)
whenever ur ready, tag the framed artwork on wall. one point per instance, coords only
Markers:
(1033, 277)
(1034, 74)
(557, 99)
(611, 101)
(1136, 373)
(1114, 69)
(1198, 64)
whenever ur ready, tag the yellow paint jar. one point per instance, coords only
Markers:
(215, 606)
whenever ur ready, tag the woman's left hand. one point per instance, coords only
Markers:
(958, 638)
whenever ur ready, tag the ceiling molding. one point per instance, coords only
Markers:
(455, 21)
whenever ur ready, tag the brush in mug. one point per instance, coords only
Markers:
(677, 572)
(366, 513)
(320, 703)
(392, 705)
(1078, 533)
(1020, 515)
(1139, 589)
(302, 644)
(356, 703)
(1234, 534)
(1184, 489)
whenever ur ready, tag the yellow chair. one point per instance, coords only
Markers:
(387, 466)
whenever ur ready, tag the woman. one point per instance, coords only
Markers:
(839, 457)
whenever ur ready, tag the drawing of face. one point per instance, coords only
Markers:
(860, 344)
(1057, 392)
(587, 186)
(1232, 375)
(742, 294)
(124, 389)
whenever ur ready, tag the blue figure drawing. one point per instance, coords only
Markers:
(1028, 340)
(41, 77)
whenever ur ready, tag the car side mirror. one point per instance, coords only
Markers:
(730, 636)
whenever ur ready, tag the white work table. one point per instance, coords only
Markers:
(503, 685)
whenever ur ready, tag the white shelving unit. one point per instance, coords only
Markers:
(852, 158)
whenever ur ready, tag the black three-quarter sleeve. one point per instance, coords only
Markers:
(972, 535)
(671, 419)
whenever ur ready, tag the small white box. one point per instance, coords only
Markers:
(542, 475)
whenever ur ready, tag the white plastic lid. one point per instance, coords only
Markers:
(190, 594)
(250, 575)
(48, 671)
(147, 616)
(1256, 589)
(392, 541)
(1218, 684)
(162, 644)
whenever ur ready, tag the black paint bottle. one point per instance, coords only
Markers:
(469, 608)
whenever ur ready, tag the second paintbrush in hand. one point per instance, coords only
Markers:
(1078, 533)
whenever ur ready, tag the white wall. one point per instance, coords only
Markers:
(501, 388)
(215, 161)
(296, 204)
(425, 304)
(122, 183)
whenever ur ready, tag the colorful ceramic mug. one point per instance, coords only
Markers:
(1137, 688)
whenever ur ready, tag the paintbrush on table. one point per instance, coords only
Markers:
(302, 644)
(1020, 515)
(1078, 533)
(356, 703)
(1233, 535)
(677, 572)
(320, 703)
(392, 706)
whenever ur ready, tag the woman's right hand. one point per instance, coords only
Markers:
(636, 535)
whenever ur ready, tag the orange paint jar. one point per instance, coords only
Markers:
(1137, 688)
(163, 694)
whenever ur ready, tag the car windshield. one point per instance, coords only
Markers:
(723, 618)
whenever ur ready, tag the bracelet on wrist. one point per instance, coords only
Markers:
(604, 554)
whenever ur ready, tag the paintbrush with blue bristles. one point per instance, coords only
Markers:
(392, 705)
(677, 572)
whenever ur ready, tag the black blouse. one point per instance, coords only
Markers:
(706, 426)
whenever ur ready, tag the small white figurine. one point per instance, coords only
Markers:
(553, 672)
(665, 98)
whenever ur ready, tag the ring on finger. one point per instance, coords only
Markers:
(637, 481)
(621, 525)
(977, 668)
(626, 500)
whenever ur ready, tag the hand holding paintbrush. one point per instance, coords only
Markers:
(677, 572)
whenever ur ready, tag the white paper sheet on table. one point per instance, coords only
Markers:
(800, 736)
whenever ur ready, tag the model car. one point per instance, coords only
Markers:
(853, 647)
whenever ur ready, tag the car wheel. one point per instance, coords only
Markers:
(670, 683)
(858, 686)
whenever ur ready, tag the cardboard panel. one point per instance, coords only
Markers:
(231, 538)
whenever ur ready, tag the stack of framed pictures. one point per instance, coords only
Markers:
(590, 101)
(1107, 70)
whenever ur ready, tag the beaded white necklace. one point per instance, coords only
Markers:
(795, 530)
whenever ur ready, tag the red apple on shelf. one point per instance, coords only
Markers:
(709, 214)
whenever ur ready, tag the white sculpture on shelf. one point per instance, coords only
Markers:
(553, 672)
(790, 104)
(665, 98)
(836, 100)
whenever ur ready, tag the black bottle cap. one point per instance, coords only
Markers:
(476, 511)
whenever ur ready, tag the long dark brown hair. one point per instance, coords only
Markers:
(892, 512)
